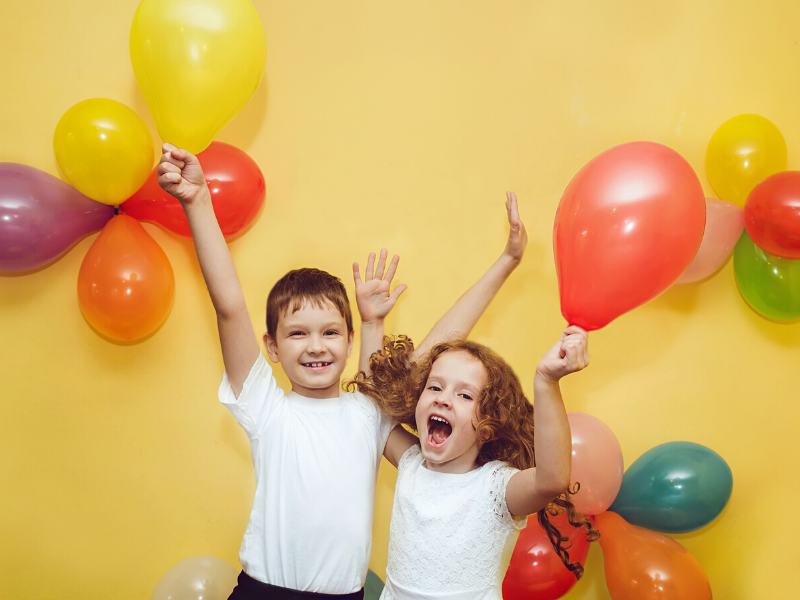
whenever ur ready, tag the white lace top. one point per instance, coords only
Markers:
(447, 532)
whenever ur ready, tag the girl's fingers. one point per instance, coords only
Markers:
(392, 268)
(370, 267)
(381, 264)
(397, 291)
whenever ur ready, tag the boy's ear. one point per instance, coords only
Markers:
(350, 343)
(272, 348)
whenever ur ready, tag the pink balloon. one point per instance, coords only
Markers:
(596, 463)
(724, 225)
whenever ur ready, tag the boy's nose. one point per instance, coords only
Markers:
(315, 345)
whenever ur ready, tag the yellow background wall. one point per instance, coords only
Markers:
(397, 124)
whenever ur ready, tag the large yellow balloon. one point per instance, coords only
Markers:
(104, 149)
(197, 62)
(743, 152)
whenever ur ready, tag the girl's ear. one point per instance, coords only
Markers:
(272, 348)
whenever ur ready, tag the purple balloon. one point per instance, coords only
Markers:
(41, 217)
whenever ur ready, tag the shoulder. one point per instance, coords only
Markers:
(411, 457)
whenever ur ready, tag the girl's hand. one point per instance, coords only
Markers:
(569, 355)
(517, 236)
(180, 174)
(372, 296)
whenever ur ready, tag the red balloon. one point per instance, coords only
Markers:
(629, 223)
(772, 215)
(536, 572)
(237, 192)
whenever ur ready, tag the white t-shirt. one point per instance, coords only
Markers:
(448, 531)
(316, 463)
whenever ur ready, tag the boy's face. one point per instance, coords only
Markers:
(445, 414)
(312, 344)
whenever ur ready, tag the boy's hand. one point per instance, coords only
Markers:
(372, 296)
(180, 174)
(517, 236)
(569, 355)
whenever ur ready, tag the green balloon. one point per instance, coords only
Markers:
(675, 487)
(769, 284)
(373, 587)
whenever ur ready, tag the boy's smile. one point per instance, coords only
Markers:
(446, 413)
(312, 344)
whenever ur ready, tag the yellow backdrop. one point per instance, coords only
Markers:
(398, 125)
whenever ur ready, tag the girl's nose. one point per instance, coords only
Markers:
(444, 400)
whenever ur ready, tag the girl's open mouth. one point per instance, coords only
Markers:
(439, 429)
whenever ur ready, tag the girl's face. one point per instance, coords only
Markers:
(445, 413)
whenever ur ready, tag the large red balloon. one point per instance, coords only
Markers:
(772, 215)
(536, 572)
(629, 223)
(234, 180)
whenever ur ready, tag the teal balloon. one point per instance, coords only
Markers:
(373, 587)
(675, 487)
(769, 284)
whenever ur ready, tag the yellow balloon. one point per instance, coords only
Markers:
(104, 149)
(197, 62)
(743, 152)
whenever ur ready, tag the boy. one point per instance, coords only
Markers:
(316, 451)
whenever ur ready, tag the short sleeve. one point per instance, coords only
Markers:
(500, 474)
(410, 456)
(258, 400)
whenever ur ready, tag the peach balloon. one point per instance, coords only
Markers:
(596, 463)
(724, 225)
(125, 285)
(645, 565)
(197, 578)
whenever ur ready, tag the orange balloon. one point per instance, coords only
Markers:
(125, 285)
(644, 565)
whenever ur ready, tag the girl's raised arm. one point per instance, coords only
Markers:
(533, 489)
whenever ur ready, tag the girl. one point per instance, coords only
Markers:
(470, 480)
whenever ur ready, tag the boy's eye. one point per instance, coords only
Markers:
(332, 332)
(296, 333)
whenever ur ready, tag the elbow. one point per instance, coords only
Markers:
(555, 487)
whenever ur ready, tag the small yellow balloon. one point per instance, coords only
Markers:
(198, 62)
(743, 152)
(103, 149)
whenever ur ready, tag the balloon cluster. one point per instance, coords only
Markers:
(185, 54)
(746, 162)
(675, 487)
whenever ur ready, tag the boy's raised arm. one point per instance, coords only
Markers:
(180, 174)
(462, 316)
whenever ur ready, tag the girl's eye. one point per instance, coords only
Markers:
(466, 396)
(434, 388)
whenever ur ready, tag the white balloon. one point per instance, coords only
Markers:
(197, 578)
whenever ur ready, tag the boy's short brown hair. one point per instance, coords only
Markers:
(295, 288)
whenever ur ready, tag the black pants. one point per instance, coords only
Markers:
(252, 589)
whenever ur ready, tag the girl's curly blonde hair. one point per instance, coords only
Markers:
(505, 427)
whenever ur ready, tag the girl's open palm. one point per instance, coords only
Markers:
(373, 296)
(180, 174)
(569, 355)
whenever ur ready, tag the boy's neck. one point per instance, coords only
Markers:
(331, 391)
